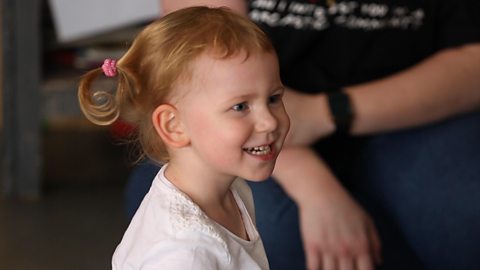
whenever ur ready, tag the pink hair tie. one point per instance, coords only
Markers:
(109, 67)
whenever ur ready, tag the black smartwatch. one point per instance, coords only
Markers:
(341, 110)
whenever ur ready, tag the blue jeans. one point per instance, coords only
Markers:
(428, 180)
(421, 187)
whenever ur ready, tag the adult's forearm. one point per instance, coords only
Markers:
(304, 175)
(442, 86)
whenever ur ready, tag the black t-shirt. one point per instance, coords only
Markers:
(321, 47)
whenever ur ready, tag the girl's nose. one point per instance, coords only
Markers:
(266, 121)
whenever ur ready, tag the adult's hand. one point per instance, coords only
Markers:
(337, 233)
(310, 117)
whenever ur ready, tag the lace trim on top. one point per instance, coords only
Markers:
(187, 215)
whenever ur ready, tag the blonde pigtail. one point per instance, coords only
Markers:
(98, 106)
(103, 107)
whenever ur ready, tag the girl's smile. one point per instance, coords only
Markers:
(264, 152)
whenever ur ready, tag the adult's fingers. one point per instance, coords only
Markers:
(329, 262)
(313, 258)
(364, 262)
(346, 263)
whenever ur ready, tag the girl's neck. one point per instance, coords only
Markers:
(211, 192)
(203, 186)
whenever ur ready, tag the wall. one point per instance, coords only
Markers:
(1, 79)
(1, 100)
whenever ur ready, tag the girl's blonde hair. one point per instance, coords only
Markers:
(159, 57)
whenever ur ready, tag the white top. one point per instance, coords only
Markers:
(170, 231)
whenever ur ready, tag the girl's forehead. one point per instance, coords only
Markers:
(208, 60)
(233, 72)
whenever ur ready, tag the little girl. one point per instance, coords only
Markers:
(203, 87)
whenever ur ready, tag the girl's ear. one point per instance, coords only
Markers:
(169, 127)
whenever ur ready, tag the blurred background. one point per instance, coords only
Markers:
(61, 178)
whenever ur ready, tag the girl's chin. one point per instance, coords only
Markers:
(259, 177)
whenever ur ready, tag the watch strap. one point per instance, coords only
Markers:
(341, 110)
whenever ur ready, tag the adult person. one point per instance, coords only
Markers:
(401, 143)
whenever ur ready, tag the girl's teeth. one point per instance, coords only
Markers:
(259, 150)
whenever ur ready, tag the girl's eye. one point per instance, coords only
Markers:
(275, 99)
(240, 107)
